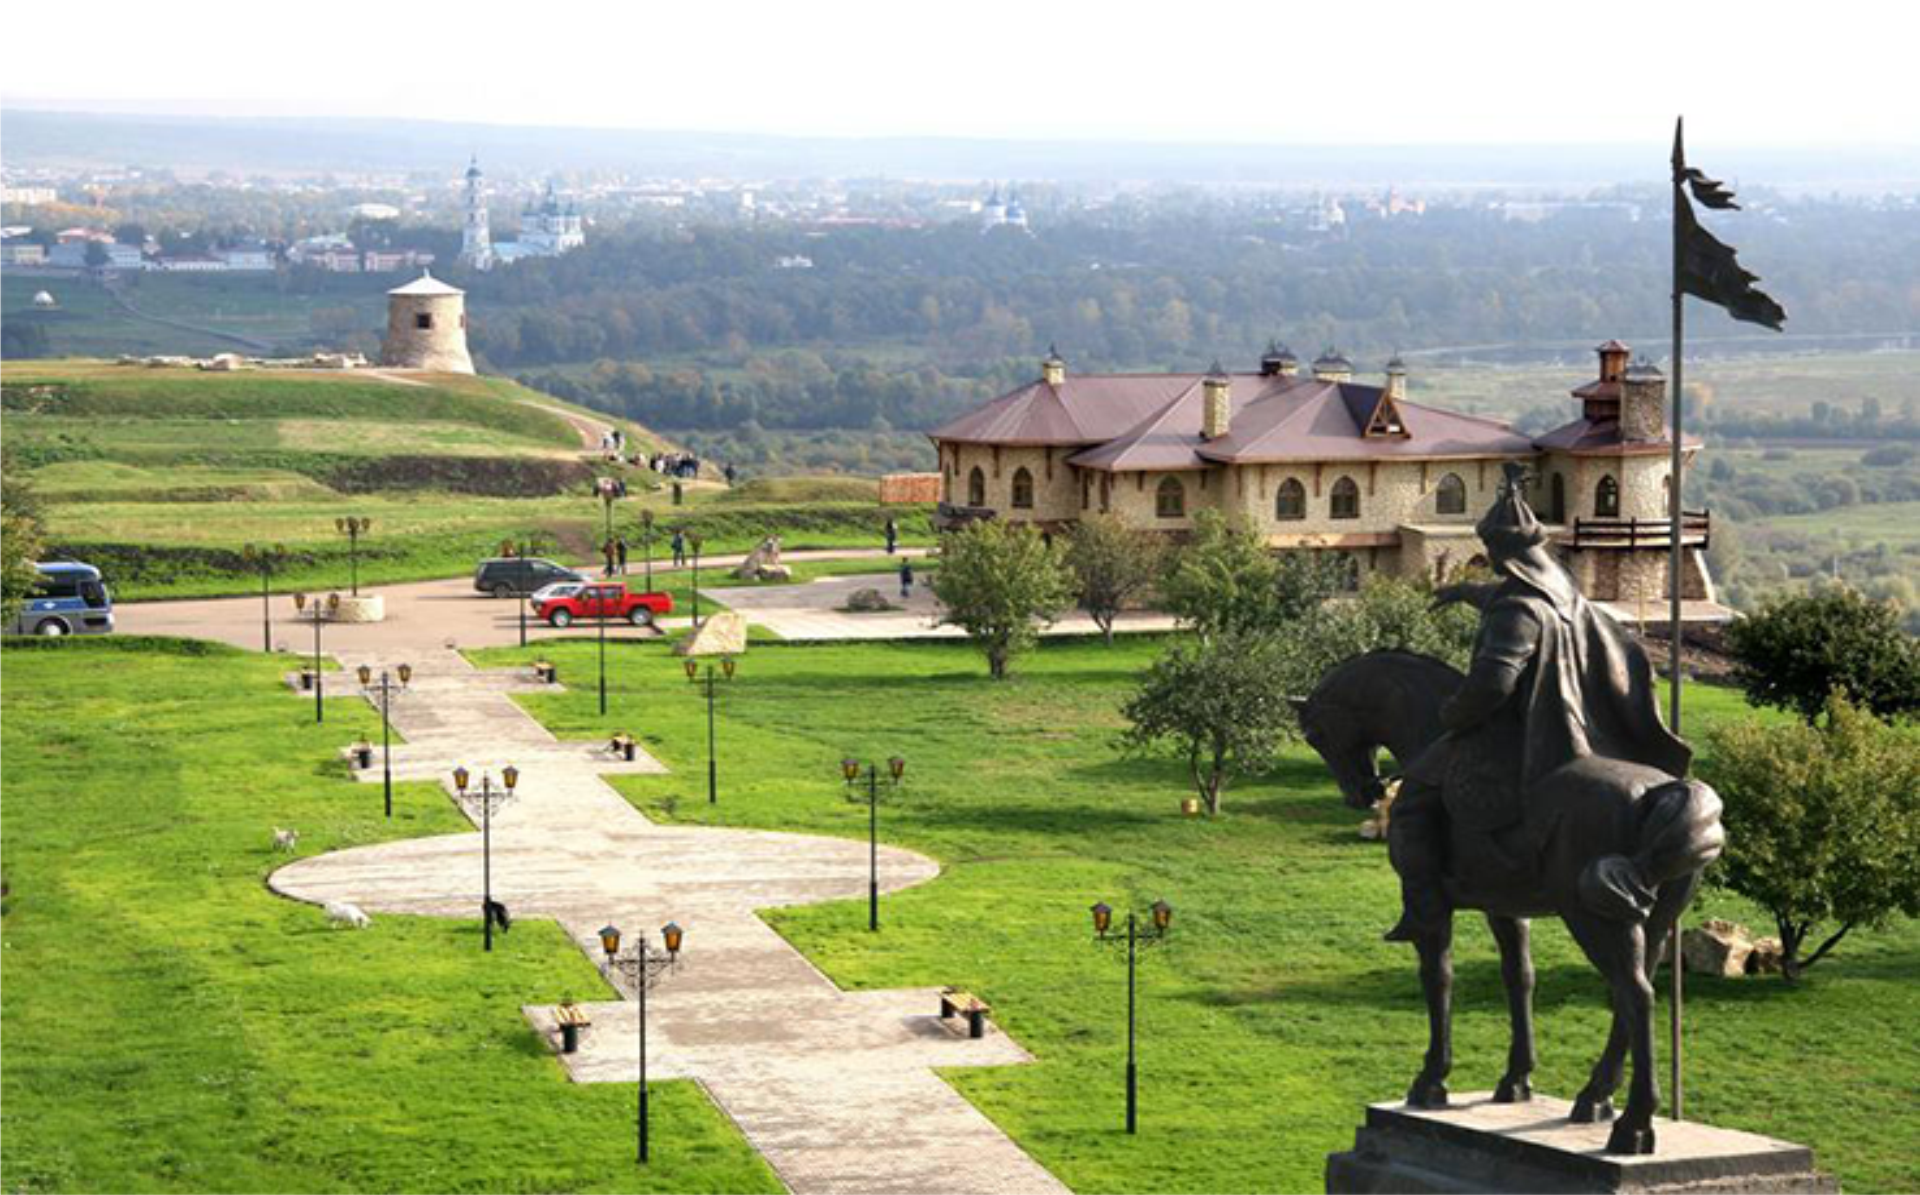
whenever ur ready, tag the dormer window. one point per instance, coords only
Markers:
(1385, 423)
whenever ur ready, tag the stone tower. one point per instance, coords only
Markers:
(476, 243)
(427, 327)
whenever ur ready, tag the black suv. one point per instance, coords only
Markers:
(513, 576)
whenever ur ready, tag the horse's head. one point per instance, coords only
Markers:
(1343, 743)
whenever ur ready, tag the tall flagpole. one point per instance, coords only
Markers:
(1675, 575)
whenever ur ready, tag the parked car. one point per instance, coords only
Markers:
(565, 604)
(515, 576)
(68, 599)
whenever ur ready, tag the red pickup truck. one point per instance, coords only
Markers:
(562, 605)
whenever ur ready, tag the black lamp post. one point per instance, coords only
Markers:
(609, 491)
(319, 615)
(353, 528)
(488, 798)
(643, 967)
(850, 770)
(647, 533)
(1161, 915)
(385, 689)
(265, 559)
(693, 541)
(727, 666)
(600, 625)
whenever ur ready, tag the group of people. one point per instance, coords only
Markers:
(682, 465)
(615, 551)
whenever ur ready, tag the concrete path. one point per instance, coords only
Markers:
(814, 611)
(835, 1088)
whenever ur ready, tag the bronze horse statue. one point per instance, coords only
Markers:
(1595, 829)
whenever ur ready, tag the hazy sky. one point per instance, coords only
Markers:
(1377, 71)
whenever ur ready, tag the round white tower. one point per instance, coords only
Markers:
(476, 242)
(427, 327)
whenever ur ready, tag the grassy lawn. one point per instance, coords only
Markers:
(1276, 1012)
(170, 1025)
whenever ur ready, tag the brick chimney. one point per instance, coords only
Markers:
(1643, 402)
(1397, 379)
(1053, 371)
(1216, 416)
(1278, 361)
(1332, 366)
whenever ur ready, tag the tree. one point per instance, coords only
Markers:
(20, 536)
(1112, 564)
(1823, 824)
(1222, 580)
(1000, 582)
(1798, 649)
(1219, 703)
(1388, 612)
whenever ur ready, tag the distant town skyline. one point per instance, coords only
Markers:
(1403, 73)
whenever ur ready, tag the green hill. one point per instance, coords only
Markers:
(160, 476)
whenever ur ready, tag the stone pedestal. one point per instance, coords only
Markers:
(722, 634)
(1478, 1145)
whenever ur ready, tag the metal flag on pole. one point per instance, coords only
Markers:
(1705, 267)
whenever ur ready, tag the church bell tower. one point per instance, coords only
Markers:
(476, 244)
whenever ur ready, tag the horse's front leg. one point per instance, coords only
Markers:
(1595, 1101)
(1429, 1088)
(1516, 968)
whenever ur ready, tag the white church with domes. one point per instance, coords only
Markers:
(548, 228)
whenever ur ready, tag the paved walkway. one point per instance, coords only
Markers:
(814, 611)
(835, 1088)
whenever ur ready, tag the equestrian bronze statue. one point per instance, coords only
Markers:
(1542, 782)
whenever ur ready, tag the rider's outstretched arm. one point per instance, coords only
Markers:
(1508, 638)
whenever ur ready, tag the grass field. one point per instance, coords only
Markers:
(161, 476)
(170, 1025)
(257, 307)
(1276, 1012)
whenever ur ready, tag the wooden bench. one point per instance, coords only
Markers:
(954, 1002)
(571, 1019)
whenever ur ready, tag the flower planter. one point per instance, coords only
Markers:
(306, 680)
(363, 755)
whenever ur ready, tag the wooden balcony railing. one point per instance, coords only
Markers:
(1696, 529)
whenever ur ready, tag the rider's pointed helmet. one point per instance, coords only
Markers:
(1509, 527)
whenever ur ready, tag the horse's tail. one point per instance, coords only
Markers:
(1679, 834)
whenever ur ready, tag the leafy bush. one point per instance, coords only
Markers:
(1113, 563)
(1796, 650)
(1823, 824)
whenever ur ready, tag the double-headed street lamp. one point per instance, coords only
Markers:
(488, 798)
(266, 559)
(1161, 915)
(643, 967)
(353, 528)
(727, 667)
(385, 690)
(850, 770)
(320, 612)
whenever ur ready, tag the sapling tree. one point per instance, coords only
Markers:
(1112, 564)
(1000, 582)
(1823, 825)
(1219, 704)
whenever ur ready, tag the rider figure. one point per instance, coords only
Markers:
(1553, 679)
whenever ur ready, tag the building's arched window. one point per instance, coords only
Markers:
(1557, 499)
(1606, 498)
(1450, 496)
(1170, 499)
(1022, 489)
(976, 487)
(1291, 502)
(1346, 499)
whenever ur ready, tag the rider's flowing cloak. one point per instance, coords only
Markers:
(1586, 688)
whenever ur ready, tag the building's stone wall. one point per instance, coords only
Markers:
(441, 347)
(1056, 488)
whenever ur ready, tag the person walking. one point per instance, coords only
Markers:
(906, 579)
(679, 549)
(893, 535)
(620, 550)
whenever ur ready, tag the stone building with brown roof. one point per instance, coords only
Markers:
(1318, 461)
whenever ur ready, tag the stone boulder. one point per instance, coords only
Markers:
(1717, 947)
(763, 563)
(867, 601)
(722, 634)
